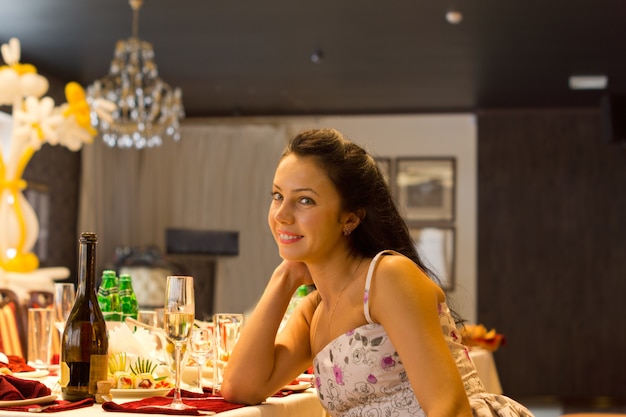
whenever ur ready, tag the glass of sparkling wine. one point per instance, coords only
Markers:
(178, 321)
(64, 294)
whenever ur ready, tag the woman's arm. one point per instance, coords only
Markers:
(261, 362)
(405, 301)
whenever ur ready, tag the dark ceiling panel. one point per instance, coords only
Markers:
(237, 57)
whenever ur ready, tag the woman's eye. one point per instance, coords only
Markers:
(306, 201)
(277, 196)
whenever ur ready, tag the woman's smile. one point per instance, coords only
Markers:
(286, 237)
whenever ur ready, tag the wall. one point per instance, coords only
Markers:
(551, 264)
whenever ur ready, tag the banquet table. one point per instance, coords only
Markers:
(302, 404)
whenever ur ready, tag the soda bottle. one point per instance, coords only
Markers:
(128, 299)
(109, 297)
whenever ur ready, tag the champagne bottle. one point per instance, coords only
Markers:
(128, 299)
(84, 346)
(109, 297)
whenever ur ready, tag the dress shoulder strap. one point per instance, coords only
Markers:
(368, 283)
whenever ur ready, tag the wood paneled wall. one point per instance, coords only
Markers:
(57, 170)
(552, 252)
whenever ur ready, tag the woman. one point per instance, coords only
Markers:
(377, 329)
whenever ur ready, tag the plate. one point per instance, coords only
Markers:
(139, 393)
(29, 401)
(297, 387)
(39, 373)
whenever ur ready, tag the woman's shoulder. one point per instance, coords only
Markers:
(396, 276)
(392, 262)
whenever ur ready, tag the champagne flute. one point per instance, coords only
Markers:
(201, 347)
(178, 320)
(64, 295)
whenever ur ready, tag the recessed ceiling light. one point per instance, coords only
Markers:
(316, 56)
(588, 82)
(454, 17)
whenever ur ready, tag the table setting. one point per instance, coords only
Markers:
(173, 368)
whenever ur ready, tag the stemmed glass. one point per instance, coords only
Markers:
(201, 347)
(64, 294)
(178, 321)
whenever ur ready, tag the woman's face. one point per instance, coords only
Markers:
(305, 214)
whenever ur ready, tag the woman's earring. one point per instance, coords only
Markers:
(347, 231)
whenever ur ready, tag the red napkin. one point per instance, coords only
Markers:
(17, 364)
(12, 388)
(204, 402)
(53, 407)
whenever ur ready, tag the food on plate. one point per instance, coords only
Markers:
(123, 380)
(118, 362)
(143, 366)
(144, 381)
(138, 374)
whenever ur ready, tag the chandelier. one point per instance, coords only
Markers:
(147, 108)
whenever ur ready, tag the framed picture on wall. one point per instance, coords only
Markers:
(426, 188)
(436, 247)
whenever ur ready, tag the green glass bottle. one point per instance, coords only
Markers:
(84, 344)
(109, 297)
(128, 299)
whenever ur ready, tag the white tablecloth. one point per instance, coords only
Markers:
(304, 404)
(486, 367)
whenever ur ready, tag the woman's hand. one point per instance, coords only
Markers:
(297, 272)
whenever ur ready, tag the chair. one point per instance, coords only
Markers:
(12, 324)
(148, 270)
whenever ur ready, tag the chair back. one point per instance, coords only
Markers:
(12, 324)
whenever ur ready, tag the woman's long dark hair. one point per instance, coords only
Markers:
(361, 185)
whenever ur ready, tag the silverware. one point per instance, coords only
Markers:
(39, 408)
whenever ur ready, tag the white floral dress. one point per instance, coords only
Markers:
(361, 374)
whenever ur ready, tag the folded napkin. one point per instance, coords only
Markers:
(17, 364)
(13, 388)
(52, 407)
(201, 402)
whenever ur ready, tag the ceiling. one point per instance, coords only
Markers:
(253, 58)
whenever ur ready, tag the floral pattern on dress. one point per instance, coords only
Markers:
(360, 374)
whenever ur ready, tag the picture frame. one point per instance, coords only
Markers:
(426, 188)
(436, 246)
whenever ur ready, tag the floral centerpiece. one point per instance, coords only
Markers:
(35, 120)
(477, 335)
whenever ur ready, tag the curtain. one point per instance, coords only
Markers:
(217, 177)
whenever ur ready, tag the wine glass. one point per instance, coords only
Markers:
(64, 295)
(201, 347)
(178, 320)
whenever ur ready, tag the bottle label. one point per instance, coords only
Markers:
(72, 375)
(65, 374)
(98, 371)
